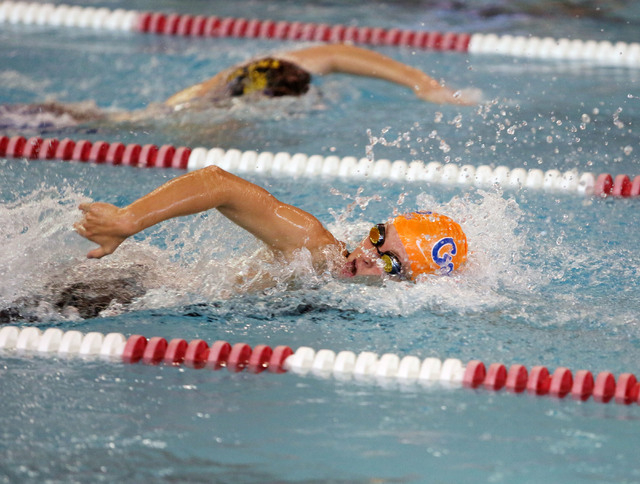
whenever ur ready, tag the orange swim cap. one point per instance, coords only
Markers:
(434, 243)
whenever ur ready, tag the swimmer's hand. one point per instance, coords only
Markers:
(105, 224)
(435, 93)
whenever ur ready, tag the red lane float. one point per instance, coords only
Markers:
(15, 146)
(155, 350)
(604, 388)
(131, 155)
(496, 377)
(561, 382)
(82, 150)
(98, 152)
(134, 349)
(475, 374)
(115, 153)
(196, 354)
(603, 186)
(164, 156)
(32, 148)
(621, 186)
(279, 355)
(539, 381)
(65, 148)
(4, 141)
(180, 158)
(582, 385)
(174, 355)
(517, 378)
(148, 155)
(218, 355)
(239, 357)
(48, 149)
(626, 389)
(259, 359)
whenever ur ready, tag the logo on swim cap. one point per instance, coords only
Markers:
(434, 243)
(444, 261)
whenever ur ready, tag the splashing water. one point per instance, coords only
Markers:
(207, 258)
(498, 265)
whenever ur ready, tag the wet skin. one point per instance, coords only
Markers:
(365, 260)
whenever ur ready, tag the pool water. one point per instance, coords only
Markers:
(552, 278)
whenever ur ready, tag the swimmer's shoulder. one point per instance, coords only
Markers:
(213, 88)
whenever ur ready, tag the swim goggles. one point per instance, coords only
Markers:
(391, 263)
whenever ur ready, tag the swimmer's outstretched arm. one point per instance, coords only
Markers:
(348, 59)
(282, 227)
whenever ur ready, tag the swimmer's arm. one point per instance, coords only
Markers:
(282, 227)
(348, 59)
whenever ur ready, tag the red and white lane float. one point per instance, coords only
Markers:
(303, 165)
(602, 52)
(387, 369)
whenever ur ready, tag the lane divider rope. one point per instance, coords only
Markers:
(300, 164)
(366, 366)
(603, 52)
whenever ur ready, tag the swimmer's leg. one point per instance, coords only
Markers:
(48, 115)
(92, 297)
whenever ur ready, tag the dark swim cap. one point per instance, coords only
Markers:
(271, 77)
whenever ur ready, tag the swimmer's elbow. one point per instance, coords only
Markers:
(212, 179)
(214, 172)
(220, 184)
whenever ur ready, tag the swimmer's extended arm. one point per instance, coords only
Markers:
(282, 227)
(348, 59)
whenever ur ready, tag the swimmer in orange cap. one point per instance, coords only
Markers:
(410, 245)
(403, 248)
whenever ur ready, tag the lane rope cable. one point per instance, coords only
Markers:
(387, 370)
(303, 165)
(600, 52)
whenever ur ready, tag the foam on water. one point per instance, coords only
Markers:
(33, 231)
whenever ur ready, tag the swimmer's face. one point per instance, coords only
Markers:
(369, 261)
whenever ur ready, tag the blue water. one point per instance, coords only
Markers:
(553, 278)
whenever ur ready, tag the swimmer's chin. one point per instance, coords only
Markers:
(349, 273)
